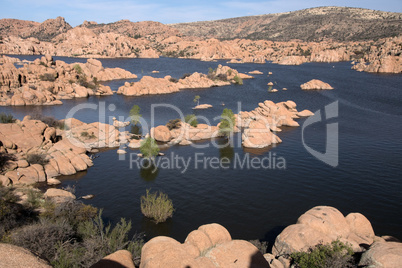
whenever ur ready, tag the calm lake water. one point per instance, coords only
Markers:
(255, 203)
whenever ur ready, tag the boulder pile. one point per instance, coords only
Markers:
(42, 152)
(209, 246)
(47, 82)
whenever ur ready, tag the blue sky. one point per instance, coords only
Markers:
(105, 11)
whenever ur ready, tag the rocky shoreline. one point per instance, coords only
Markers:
(154, 40)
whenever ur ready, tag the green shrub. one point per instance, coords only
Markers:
(191, 119)
(47, 77)
(149, 148)
(173, 80)
(336, 254)
(37, 159)
(49, 120)
(173, 124)
(77, 68)
(156, 206)
(34, 199)
(12, 214)
(42, 237)
(43, 64)
(227, 122)
(86, 135)
(7, 118)
(69, 234)
(135, 114)
(222, 77)
(238, 80)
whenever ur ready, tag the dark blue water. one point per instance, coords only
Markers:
(256, 203)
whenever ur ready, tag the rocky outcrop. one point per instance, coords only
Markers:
(255, 72)
(42, 152)
(47, 82)
(202, 107)
(185, 134)
(148, 85)
(290, 60)
(209, 246)
(323, 225)
(382, 254)
(59, 195)
(261, 125)
(385, 64)
(48, 29)
(315, 84)
(100, 40)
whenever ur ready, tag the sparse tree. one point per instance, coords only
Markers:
(191, 119)
(197, 99)
(227, 123)
(149, 148)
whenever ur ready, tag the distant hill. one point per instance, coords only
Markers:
(44, 31)
(16, 27)
(314, 24)
(132, 29)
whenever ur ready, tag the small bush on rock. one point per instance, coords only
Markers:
(191, 119)
(37, 159)
(174, 123)
(336, 254)
(47, 77)
(238, 80)
(156, 206)
(49, 120)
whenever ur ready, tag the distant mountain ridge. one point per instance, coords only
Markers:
(313, 24)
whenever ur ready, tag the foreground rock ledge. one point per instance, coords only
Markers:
(323, 224)
(13, 256)
(209, 246)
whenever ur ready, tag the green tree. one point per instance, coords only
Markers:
(135, 114)
(149, 148)
(238, 80)
(227, 122)
(197, 99)
(191, 119)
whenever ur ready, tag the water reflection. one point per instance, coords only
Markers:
(226, 150)
(137, 131)
(152, 229)
(149, 172)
